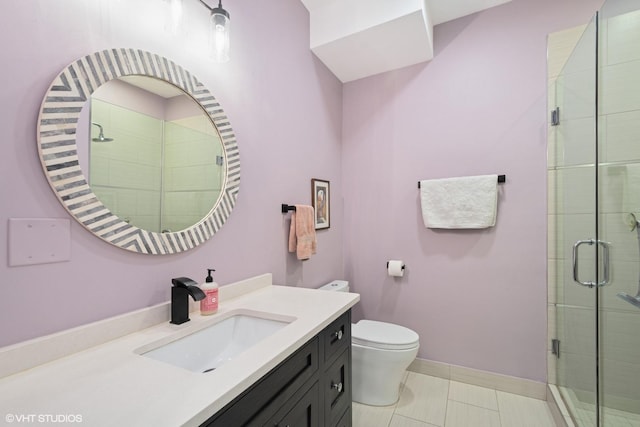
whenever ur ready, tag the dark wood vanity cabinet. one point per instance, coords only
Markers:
(311, 388)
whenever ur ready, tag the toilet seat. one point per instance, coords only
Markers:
(381, 335)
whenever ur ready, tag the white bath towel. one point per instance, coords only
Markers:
(466, 202)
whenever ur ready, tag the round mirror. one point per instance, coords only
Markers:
(150, 153)
(139, 151)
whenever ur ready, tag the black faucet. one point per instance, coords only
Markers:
(182, 288)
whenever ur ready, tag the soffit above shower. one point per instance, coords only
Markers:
(360, 38)
(156, 86)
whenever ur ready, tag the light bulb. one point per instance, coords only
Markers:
(219, 35)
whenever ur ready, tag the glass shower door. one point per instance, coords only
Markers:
(619, 211)
(594, 214)
(573, 223)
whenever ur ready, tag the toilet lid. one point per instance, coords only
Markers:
(383, 335)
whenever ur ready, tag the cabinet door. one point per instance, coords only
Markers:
(346, 420)
(304, 413)
(337, 388)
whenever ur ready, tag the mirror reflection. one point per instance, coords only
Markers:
(155, 159)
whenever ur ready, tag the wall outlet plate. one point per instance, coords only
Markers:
(39, 241)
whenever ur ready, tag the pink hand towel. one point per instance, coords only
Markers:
(302, 233)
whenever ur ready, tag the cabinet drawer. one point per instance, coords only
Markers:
(266, 396)
(337, 388)
(337, 336)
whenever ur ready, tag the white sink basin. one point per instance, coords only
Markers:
(208, 347)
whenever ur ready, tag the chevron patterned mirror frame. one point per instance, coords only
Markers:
(57, 127)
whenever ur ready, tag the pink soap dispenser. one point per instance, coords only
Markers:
(209, 304)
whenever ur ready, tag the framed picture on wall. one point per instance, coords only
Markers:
(320, 198)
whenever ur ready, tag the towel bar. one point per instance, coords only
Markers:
(501, 179)
(286, 208)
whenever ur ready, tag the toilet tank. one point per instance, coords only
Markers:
(336, 286)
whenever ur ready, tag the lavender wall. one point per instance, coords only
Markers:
(477, 298)
(284, 105)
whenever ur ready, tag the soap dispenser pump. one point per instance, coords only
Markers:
(209, 304)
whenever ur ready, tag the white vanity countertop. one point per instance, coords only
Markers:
(111, 385)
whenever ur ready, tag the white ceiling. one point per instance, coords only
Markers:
(157, 86)
(448, 10)
(360, 38)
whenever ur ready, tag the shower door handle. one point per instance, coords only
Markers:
(605, 262)
(575, 262)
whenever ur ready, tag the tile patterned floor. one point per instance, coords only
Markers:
(427, 401)
(585, 413)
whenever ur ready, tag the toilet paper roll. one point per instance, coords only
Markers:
(395, 268)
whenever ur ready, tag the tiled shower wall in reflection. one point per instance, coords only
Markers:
(126, 173)
(571, 207)
(157, 174)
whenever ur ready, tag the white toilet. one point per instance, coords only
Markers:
(381, 353)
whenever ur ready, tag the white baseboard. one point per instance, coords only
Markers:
(521, 386)
(558, 408)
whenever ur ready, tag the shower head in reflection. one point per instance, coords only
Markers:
(100, 137)
(631, 220)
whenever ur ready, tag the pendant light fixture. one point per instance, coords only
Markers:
(218, 32)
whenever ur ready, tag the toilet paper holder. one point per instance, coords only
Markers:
(403, 265)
